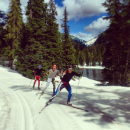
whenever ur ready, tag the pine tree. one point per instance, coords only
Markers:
(77, 53)
(86, 56)
(117, 52)
(35, 49)
(53, 37)
(126, 38)
(13, 27)
(82, 57)
(69, 52)
(2, 41)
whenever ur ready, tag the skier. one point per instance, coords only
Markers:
(51, 78)
(65, 84)
(37, 73)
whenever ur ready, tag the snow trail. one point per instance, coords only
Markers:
(109, 106)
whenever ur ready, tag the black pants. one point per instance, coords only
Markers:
(53, 82)
(68, 88)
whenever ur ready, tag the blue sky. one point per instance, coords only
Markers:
(85, 16)
(59, 2)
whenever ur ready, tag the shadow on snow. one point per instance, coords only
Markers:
(103, 110)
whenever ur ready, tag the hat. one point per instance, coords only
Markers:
(40, 66)
(54, 65)
(70, 67)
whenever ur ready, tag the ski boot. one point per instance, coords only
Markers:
(33, 87)
(68, 103)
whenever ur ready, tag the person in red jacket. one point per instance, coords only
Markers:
(37, 73)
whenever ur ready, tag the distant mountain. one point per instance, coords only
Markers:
(83, 42)
(91, 42)
(76, 39)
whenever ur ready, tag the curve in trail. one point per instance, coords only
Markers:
(27, 112)
(27, 121)
(22, 112)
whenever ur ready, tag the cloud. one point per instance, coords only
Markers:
(83, 8)
(4, 5)
(93, 30)
(97, 26)
(76, 8)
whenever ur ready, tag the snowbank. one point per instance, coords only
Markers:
(91, 67)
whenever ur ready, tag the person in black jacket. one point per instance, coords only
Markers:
(65, 83)
(37, 73)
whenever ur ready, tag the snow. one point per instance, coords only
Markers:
(91, 42)
(109, 106)
(91, 67)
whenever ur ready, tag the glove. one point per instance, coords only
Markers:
(61, 78)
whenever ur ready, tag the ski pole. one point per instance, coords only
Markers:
(77, 87)
(76, 90)
(31, 81)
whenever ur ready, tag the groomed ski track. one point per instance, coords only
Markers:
(21, 113)
(19, 108)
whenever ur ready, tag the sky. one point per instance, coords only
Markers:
(85, 16)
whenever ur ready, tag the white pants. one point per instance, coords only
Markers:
(48, 82)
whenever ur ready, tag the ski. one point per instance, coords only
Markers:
(75, 107)
(40, 95)
(35, 89)
(43, 108)
(32, 89)
(47, 104)
(38, 92)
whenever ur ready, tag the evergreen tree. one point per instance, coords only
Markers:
(36, 48)
(68, 50)
(82, 57)
(13, 27)
(87, 56)
(53, 37)
(116, 56)
(77, 53)
(2, 41)
(125, 37)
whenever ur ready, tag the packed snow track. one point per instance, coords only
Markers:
(20, 106)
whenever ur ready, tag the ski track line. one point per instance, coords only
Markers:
(18, 114)
(27, 113)
(4, 117)
(55, 123)
(46, 122)
(61, 118)
(68, 118)
(60, 112)
(27, 123)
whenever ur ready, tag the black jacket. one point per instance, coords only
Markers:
(68, 76)
(38, 71)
